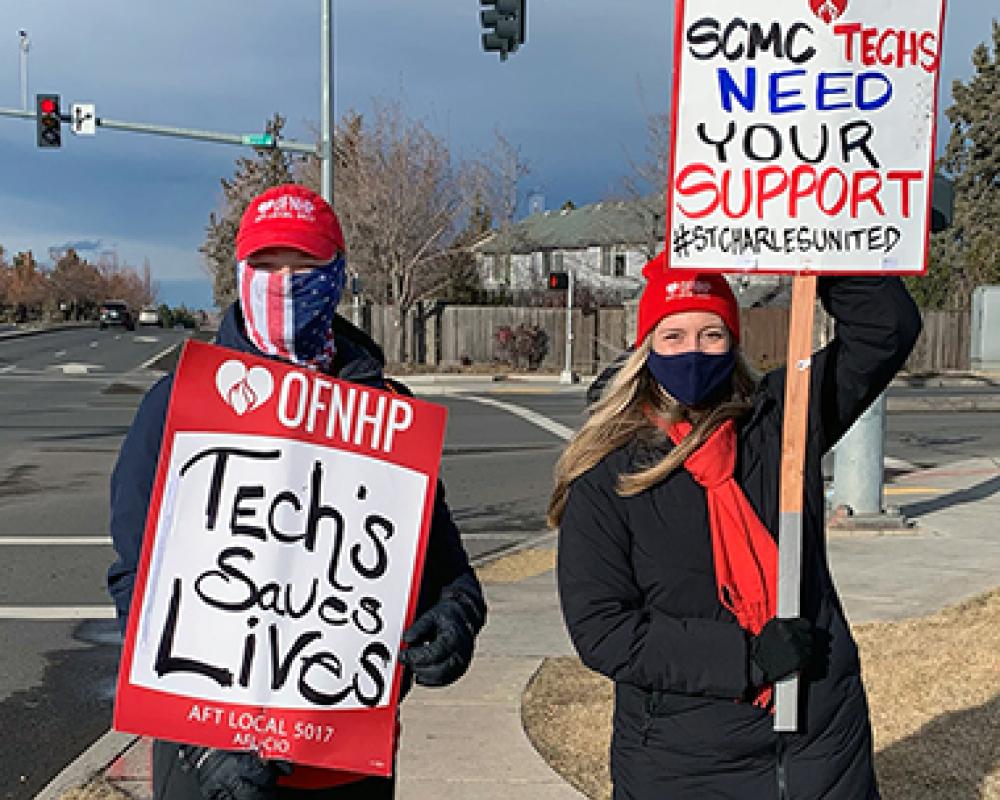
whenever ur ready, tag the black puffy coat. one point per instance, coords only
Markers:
(638, 593)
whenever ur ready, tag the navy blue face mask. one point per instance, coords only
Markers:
(693, 378)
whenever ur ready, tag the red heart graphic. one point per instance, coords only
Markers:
(828, 10)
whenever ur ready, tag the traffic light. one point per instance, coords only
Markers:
(559, 280)
(48, 121)
(505, 25)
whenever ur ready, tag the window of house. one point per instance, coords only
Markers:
(605, 260)
(619, 265)
(557, 262)
(547, 262)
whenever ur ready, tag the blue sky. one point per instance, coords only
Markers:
(573, 99)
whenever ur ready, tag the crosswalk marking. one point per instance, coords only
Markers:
(57, 613)
(34, 541)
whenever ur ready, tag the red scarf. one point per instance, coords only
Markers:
(745, 554)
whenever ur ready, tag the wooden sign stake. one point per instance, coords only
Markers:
(793, 451)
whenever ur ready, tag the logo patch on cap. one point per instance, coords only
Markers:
(286, 206)
(679, 289)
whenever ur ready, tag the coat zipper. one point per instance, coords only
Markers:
(782, 775)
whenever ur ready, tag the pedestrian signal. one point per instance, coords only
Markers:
(559, 280)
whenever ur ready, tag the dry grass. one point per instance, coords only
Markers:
(98, 789)
(933, 684)
(518, 566)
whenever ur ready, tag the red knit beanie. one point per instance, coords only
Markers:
(684, 290)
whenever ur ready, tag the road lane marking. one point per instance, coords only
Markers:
(912, 490)
(555, 428)
(5, 370)
(57, 613)
(76, 368)
(147, 364)
(34, 541)
(59, 353)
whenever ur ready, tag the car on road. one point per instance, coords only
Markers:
(149, 315)
(116, 312)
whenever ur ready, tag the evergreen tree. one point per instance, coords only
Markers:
(967, 255)
(268, 167)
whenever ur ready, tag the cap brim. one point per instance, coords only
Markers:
(316, 246)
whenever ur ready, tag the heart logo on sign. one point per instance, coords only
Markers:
(243, 389)
(828, 10)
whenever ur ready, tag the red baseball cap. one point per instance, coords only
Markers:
(290, 215)
(676, 290)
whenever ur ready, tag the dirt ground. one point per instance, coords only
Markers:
(518, 566)
(933, 686)
(96, 790)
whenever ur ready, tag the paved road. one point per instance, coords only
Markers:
(59, 432)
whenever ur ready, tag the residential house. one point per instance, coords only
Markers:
(605, 245)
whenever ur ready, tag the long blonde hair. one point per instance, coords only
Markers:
(623, 414)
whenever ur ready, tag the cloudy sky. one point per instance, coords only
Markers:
(573, 99)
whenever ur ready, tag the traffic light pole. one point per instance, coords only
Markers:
(326, 102)
(567, 373)
(251, 140)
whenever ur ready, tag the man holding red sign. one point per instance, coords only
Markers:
(291, 273)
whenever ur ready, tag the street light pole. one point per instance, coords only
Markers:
(326, 102)
(25, 42)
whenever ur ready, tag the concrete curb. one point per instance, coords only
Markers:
(943, 403)
(90, 763)
(18, 334)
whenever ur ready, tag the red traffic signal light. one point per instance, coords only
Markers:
(559, 280)
(48, 120)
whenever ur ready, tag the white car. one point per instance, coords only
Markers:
(150, 316)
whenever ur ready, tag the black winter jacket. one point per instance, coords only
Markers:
(638, 592)
(358, 360)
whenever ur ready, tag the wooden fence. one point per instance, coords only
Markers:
(468, 334)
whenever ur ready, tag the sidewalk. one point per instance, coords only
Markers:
(467, 742)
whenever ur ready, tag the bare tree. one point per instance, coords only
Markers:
(404, 204)
(646, 184)
(503, 173)
(121, 281)
(26, 287)
(77, 283)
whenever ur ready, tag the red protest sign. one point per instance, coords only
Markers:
(281, 562)
(803, 135)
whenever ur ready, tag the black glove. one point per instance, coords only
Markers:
(782, 647)
(229, 775)
(440, 642)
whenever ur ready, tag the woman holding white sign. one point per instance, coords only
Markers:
(290, 276)
(668, 508)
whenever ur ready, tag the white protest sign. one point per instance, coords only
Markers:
(803, 135)
(281, 563)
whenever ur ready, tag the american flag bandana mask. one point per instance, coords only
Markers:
(290, 315)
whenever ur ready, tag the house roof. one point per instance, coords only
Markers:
(615, 222)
